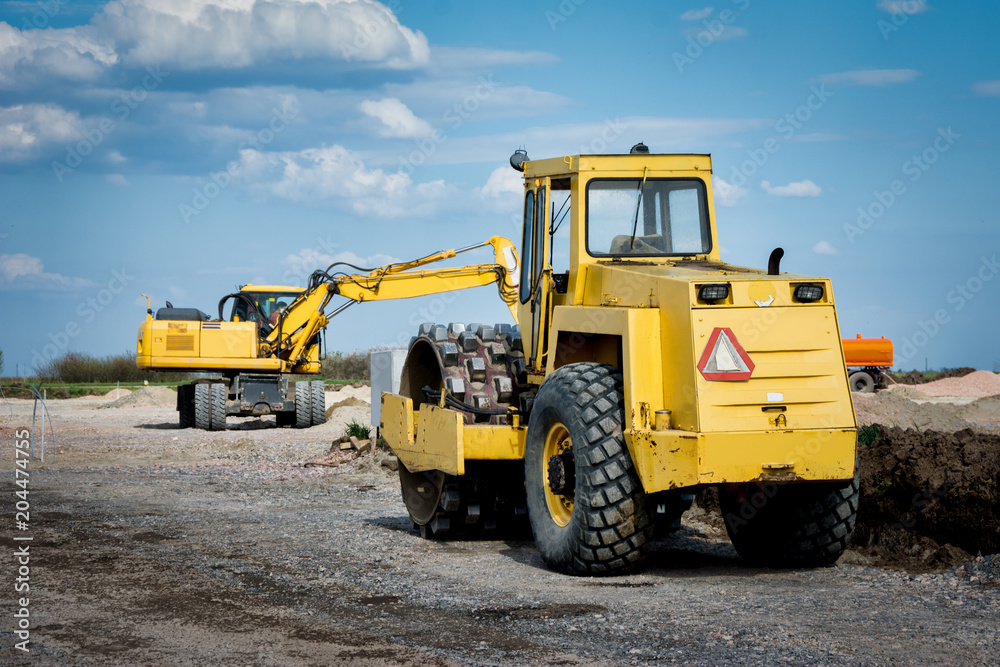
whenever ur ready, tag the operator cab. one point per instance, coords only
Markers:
(268, 300)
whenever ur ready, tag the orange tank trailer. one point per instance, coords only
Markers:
(870, 356)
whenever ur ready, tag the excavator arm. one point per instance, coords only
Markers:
(305, 317)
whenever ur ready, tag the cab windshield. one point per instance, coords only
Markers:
(267, 302)
(655, 217)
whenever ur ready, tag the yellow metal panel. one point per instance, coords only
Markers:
(230, 340)
(433, 442)
(494, 443)
(677, 459)
(798, 365)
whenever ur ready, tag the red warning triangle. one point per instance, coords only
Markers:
(724, 358)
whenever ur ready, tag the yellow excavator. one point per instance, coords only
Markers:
(274, 331)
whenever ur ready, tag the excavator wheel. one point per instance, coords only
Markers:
(218, 406)
(318, 402)
(185, 405)
(482, 368)
(303, 404)
(589, 514)
(202, 406)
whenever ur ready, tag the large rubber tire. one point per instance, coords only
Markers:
(303, 404)
(862, 382)
(791, 525)
(218, 400)
(600, 525)
(202, 406)
(318, 403)
(185, 402)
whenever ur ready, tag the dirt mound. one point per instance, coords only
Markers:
(929, 499)
(916, 377)
(117, 393)
(979, 385)
(156, 397)
(349, 402)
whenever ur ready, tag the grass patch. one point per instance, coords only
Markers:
(359, 431)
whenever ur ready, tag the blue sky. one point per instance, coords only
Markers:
(182, 147)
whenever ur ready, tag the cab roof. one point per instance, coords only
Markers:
(658, 164)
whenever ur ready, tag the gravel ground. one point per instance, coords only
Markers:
(155, 545)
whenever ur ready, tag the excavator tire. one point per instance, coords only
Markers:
(318, 402)
(218, 401)
(185, 405)
(588, 511)
(482, 367)
(800, 525)
(202, 406)
(303, 404)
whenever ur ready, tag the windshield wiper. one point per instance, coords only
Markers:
(638, 204)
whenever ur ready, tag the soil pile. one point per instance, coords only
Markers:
(916, 377)
(979, 384)
(929, 499)
(908, 407)
(157, 397)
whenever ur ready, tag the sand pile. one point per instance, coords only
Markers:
(155, 397)
(978, 385)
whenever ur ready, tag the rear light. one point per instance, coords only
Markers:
(713, 293)
(808, 292)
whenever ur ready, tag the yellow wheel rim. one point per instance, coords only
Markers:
(556, 442)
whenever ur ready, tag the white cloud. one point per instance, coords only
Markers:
(696, 14)
(68, 53)
(210, 34)
(799, 189)
(336, 175)
(117, 179)
(24, 272)
(824, 248)
(504, 181)
(727, 194)
(870, 77)
(396, 118)
(903, 6)
(27, 128)
(987, 88)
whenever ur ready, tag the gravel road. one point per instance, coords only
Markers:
(155, 545)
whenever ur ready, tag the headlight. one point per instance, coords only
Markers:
(713, 293)
(808, 292)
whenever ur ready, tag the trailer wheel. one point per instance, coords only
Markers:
(318, 402)
(218, 401)
(862, 382)
(185, 405)
(202, 406)
(303, 404)
(585, 502)
(800, 525)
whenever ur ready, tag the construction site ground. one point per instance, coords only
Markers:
(156, 545)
